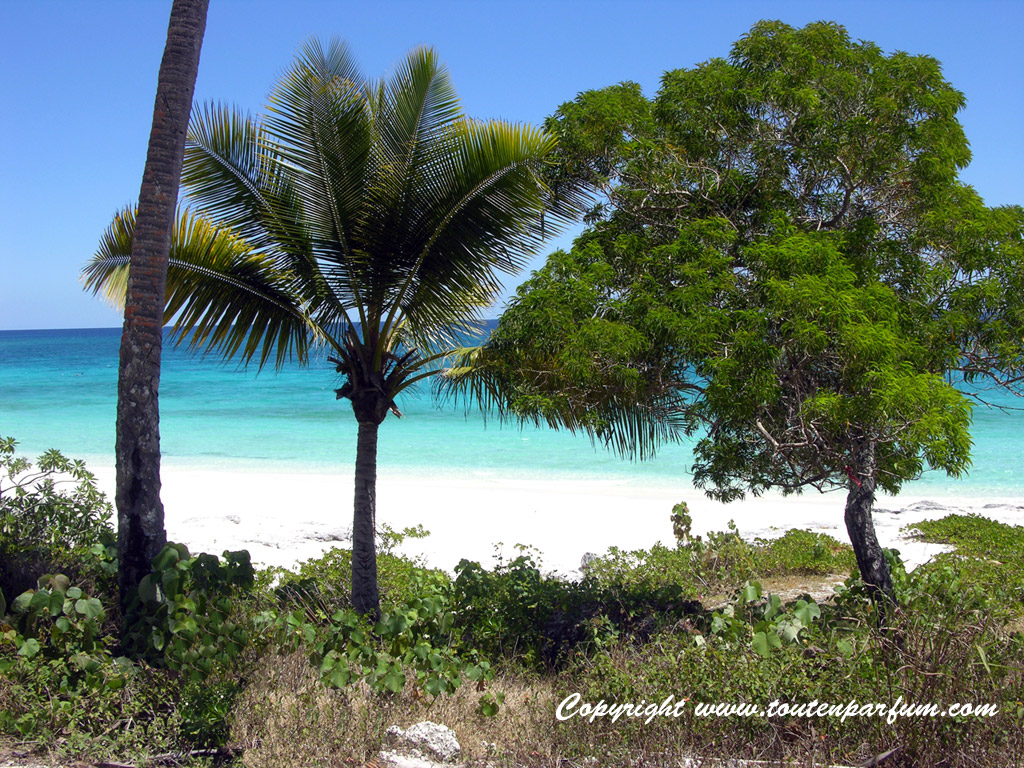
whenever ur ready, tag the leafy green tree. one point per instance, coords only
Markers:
(370, 217)
(783, 260)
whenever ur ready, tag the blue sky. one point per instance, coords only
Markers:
(77, 82)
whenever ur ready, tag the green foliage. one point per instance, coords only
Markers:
(681, 523)
(414, 640)
(57, 661)
(191, 619)
(988, 561)
(542, 621)
(61, 626)
(976, 536)
(767, 624)
(206, 708)
(322, 584)
(704, 567)
(803, 552)
(45, 526)
(782, 260)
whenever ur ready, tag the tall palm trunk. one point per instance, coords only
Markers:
(365, 598)
(140, 514)
(860, 500)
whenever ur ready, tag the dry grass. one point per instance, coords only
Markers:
(286, 717)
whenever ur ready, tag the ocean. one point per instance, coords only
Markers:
(58, 390)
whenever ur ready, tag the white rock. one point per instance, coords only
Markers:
(424, 740)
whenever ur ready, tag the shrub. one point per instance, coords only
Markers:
(50, 514)
(700, 568)
(515, 611)
(322, 585)
(802, 552)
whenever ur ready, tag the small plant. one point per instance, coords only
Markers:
(766, 623)
(681, 523)
(191, 620)
(206, 712)
(49, 513)
(415, 639)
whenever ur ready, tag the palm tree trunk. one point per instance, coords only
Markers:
(365, 597)
(860, 500)
(140, 514)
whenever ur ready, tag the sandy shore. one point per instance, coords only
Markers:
(286, 518)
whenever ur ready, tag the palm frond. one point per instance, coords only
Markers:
(412, 113)
(222, 296)
(475, 219)
(320, 123)
(232, 174)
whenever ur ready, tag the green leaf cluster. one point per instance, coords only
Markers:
(190, 618)
(766, 624)
(51, 512)
(415, 640)
(782, 260)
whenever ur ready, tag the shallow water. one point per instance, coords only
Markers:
(58, 390)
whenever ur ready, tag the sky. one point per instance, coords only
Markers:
(78, 80)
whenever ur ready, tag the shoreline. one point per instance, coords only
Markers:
(283, 518)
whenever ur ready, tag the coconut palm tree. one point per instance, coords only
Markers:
(370, 217)
(140, 514)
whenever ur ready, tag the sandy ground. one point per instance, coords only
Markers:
(283, 519)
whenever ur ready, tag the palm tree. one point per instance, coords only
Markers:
(140, 514)
(370, 217)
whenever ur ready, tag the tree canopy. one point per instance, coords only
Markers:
(782, 258)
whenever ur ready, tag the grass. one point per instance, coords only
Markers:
(977, 537)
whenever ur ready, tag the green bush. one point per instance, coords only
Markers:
(322, 585)
(516, 612)
(64, 684)
(802, 552)
(700, 568)
(976, 536)
(193, 617)
(51, 513)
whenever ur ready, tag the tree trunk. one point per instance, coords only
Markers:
(140, 514)
(365, 597)
(874, 568)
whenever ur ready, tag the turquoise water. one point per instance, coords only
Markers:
(58, 390)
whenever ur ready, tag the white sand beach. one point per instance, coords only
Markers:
(283, 519)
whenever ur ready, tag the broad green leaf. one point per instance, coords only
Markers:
(806, 612)
(340, 676)
(147, 588)
(166, 558)
(760, 643)
(29, 648)
(394, 680)
(91, 608)
(40, 600)
(751, 592)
